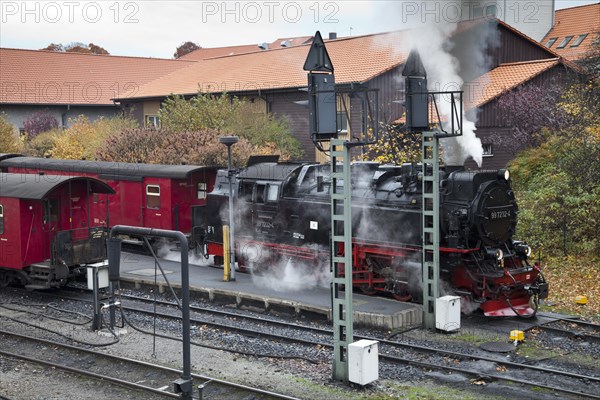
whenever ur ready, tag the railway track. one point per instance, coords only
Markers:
(572, 329)
(391, 351)
(124, 372)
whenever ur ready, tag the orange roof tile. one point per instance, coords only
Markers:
(575, 21)
(212, 52)
(204, 53)
(281, 68)
(46, 77)
(502, 79)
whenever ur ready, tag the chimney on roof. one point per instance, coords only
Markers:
(264, 46)
(286, 43)
(332, 35)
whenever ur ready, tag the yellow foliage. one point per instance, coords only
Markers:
(84, 138)
(9, 137)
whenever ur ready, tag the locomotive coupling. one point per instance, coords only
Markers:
(540, 289)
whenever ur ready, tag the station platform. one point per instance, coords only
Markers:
(285, 294)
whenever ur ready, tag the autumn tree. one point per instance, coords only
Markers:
(76, 47)
(558, 182)
(395, 146)
(161, 146)
(83, 138)
(39, 122)
(9, 140)
(186, 48)
(225, 115)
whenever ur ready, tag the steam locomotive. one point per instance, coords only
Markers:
(283, 212)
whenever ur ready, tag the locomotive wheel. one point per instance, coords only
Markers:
(402, 296)
(368, 290)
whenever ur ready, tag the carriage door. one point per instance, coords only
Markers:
(51, 227)
(152, 210)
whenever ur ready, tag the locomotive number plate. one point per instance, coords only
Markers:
(314, 225)
(500, 214)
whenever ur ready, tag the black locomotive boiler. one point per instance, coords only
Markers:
(283, 211)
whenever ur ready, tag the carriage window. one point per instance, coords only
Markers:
(153, 196)
(272, 192)
(1, 219)
(201, 191)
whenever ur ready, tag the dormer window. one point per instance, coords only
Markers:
(565, 42)
(579, 40)
(550, 42)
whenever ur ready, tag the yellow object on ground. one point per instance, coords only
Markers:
(519, 336)
(581, 300)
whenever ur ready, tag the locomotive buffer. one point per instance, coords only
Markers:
(322, 102)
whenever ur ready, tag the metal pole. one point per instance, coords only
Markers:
(96, 324)
(430, 226)
(341, 237)
(183, 385)
(231, 224)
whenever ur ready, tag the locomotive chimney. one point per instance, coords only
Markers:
(416, 97)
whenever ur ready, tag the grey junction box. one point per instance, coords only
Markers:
(363, 361)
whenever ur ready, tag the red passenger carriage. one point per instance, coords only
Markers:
(146, 195)
(46, 228)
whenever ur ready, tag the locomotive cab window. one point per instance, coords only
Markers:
(272, 193)
(1, 219)
(246, 189)
(201, 191)
(260, 193)
(153, 196)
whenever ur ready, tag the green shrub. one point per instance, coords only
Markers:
(558, 188)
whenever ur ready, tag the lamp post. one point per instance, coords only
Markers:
(230, 141)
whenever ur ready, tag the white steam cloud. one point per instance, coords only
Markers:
(449, 62)
(285, 274)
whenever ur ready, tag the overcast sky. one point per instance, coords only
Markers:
(155, 28)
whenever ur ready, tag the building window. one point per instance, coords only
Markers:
(342, 122)
(201, 191)
(153, 196)
(579, 40)
(1, 219)
(152, 121)
(551, 41)
(488, 150)
(565, 42)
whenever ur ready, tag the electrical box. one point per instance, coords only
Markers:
(102, 270)
(447, 313)
(363, 361)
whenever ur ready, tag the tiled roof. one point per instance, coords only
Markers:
(504, 78)
(281, 68)
(204, 53)
(575, 21)
(46, 77)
